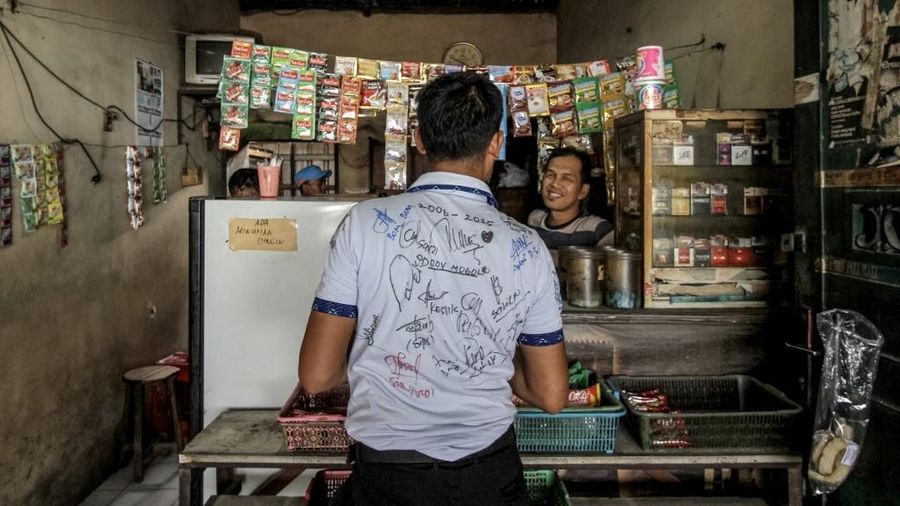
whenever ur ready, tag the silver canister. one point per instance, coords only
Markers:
(562, 259)
(584, 273)
(623, 279)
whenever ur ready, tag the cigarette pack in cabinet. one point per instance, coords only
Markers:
(681, 201)
(702, 253)
(727, 177)
(753, 200)
(761, 154)
(684, 251)
(699, 198)
(683, 154)
(718, 198)
(663, 252)
(718, 251)
(662, 198)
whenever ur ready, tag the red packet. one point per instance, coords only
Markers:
(241, 49)
(229, 139)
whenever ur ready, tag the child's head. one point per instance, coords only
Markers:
(244, 183)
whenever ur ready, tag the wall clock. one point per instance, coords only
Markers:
(464, 53)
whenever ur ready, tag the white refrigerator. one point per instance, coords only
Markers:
(249, 307)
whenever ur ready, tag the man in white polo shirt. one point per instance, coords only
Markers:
(448, 307)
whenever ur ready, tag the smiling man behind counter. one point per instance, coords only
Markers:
(451, 307)
(564, 187)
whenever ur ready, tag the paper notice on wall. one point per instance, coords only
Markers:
(262, 234)
(887, 110)
(148, 104)
(806, 89)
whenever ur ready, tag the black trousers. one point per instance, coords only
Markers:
(490, 477)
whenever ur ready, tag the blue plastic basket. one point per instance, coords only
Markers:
(573, 430)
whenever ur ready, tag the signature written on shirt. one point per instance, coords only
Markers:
(404, 375)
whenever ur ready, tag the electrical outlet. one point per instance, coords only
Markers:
(794, 242)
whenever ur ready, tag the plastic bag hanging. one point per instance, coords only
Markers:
(852, 346)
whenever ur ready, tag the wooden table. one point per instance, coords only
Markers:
(253, 438)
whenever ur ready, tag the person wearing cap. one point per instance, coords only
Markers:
(564, 187)
(448, 307)
(312, 180)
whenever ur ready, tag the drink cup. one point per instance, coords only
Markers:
(269, 180)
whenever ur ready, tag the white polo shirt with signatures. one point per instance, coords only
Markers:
(444, 287)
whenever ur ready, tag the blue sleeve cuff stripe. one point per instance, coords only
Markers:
(334, 308)
(541, 339)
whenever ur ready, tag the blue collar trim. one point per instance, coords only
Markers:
(454, 187)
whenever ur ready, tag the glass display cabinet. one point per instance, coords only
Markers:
(705, 195)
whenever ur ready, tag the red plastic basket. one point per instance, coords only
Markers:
(316, 422)
(324, 485)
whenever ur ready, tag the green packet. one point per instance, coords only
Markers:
(586, 90)
(579, 377)
(589, 118)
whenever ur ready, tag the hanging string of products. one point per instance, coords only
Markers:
(565, 102)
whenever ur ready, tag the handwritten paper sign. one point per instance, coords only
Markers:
(262, 234)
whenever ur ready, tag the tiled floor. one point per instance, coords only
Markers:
(160, 485)
(159, 488)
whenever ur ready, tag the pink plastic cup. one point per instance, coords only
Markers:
(269, 180)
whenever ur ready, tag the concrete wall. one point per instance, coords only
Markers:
(503, 38)
(73, 319)
(755, 69)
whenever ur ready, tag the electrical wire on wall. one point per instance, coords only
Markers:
(117, 22)
(718, 46)
(97, 176)
(9, 37)
(85, 97)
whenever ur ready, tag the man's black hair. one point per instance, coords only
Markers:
(243, 178)
(585, 159)
(458, 115)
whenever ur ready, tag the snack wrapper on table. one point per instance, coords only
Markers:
(584, 388)
(578, 398)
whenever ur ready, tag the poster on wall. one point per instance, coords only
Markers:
(887, 112)
(148, 104)
(851, 70)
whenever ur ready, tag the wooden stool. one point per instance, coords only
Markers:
(137, 379)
